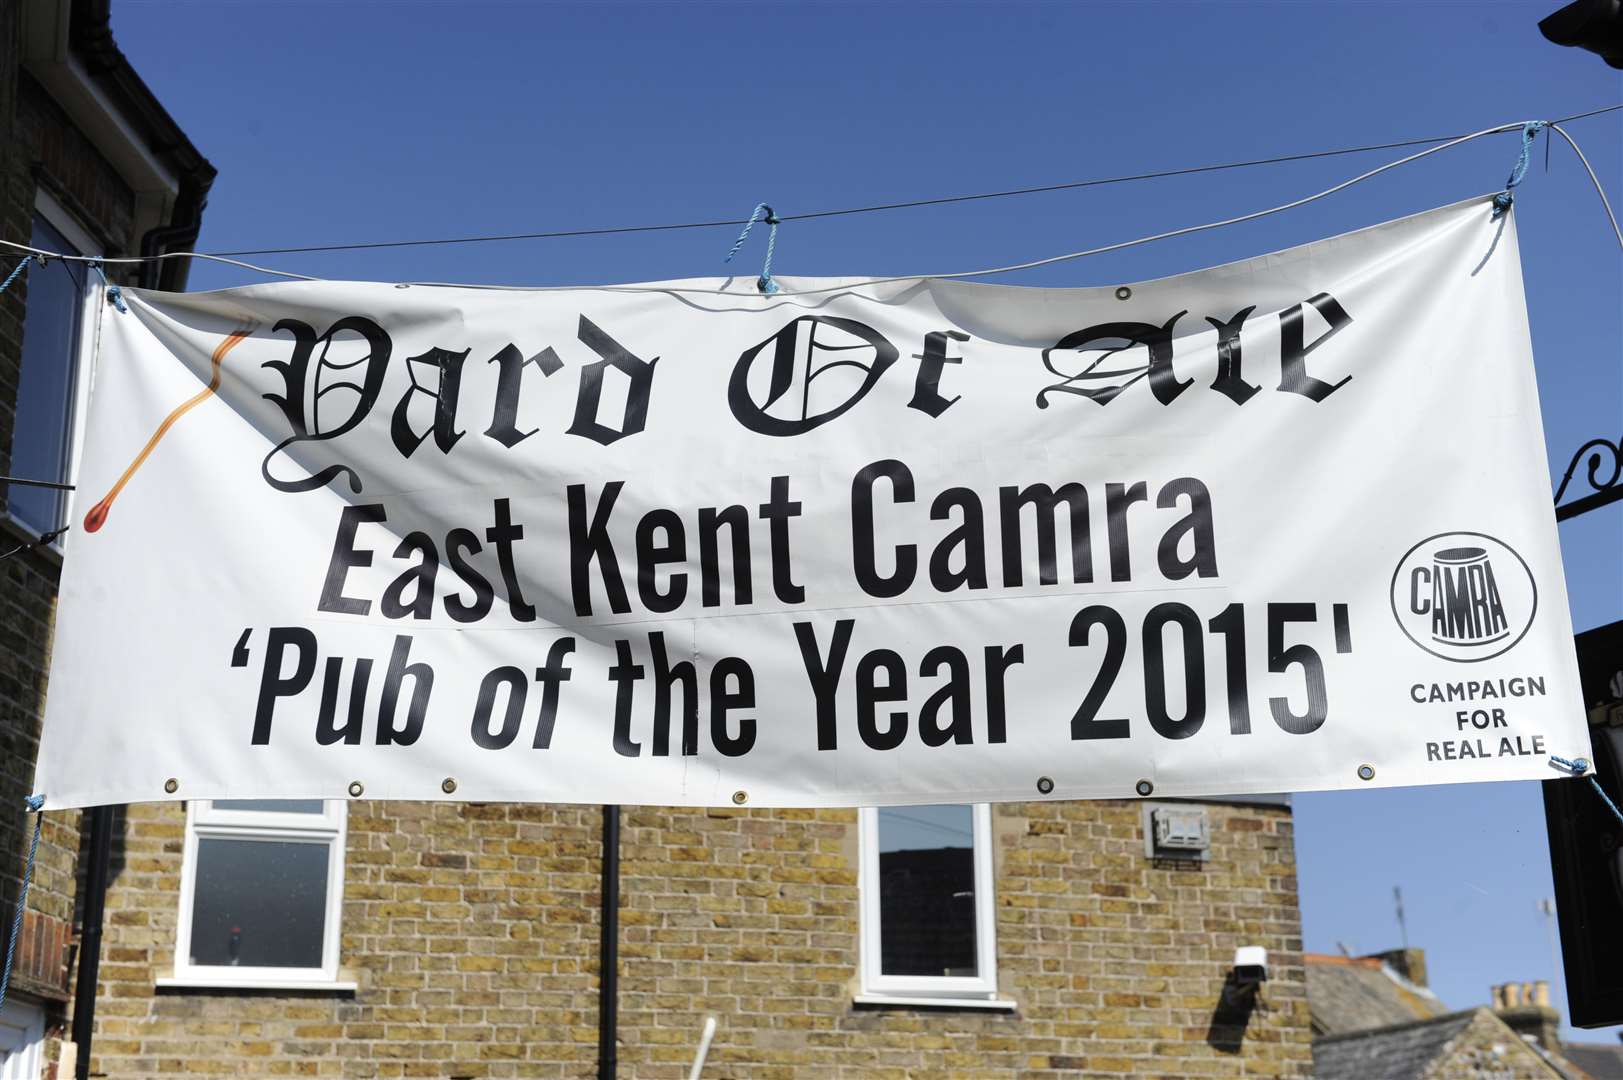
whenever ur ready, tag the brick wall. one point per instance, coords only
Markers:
(39, 147)
(471, 931)
(65, 161)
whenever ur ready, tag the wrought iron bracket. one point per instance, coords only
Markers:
(1605, 476)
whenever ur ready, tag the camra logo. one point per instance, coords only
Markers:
(1464, 596)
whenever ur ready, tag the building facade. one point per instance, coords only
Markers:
(467, 944)
(90, 164)
(374, 939)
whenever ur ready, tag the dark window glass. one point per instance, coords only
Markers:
(927, 890)
(277, 806)
(43, 436)
(259, 903)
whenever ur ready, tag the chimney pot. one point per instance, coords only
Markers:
(1497, 993)
(1526, 1007)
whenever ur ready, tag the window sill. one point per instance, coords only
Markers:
(897, 1001)
(204, 982)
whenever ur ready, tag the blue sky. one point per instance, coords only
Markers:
(367, 121)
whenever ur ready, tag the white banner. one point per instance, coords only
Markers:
(1282, 524)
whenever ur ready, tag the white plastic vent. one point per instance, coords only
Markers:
(1176, 832)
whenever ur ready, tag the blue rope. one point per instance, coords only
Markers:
(1502, 201)
(18, 271)
(755, 215)
(764, 282)
(35, 803)
(115, 295)
(1581, 767)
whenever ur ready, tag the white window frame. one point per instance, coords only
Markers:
(204, 822)
(60, 219)
(979, 991)
(22, 1040)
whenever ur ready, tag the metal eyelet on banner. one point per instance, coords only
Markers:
(1366, 772)
(1044, 785)
(171, 785)
(1124, 293)
(355, 789)
(741, 797)
(448, 785)
(1144, 787)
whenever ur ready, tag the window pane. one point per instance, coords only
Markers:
(927, 890)
(39, 446)
(259, 903)
(275, 806)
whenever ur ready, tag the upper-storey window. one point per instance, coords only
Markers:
(927, 914)
(50, 387)
(261, 890)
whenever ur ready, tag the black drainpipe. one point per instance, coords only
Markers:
(161, 272)
(90, 39)
(96, 875)
(608, 979)
(180, 235)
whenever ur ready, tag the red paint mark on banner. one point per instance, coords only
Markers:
(97, 517)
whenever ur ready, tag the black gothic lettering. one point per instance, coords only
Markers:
(1156, 339)
(1229, 381)
(927, 387)
(509, 383)
(615, 355)
(447, 388)
(1293, 376)
(298, 389)
(786, 347)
